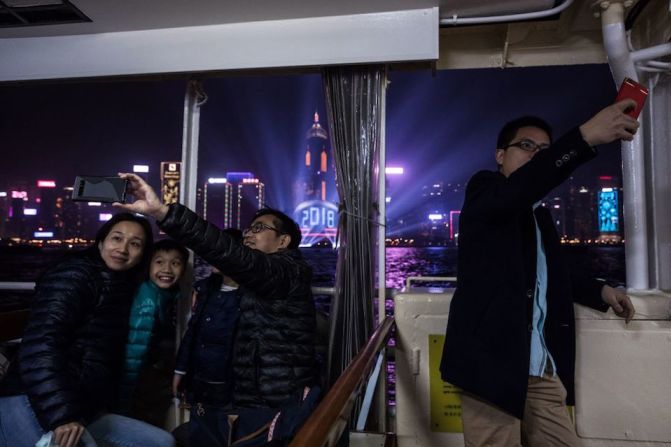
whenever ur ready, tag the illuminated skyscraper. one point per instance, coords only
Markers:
(580, 212)
(316, 177)
(4, 209)
(233, 200)
(170, 177)
(609, 206)
(557, 209)
(316, 212)
(16, 225)
(433, 201)
(250, 198)
(47, 213)
(218, 202)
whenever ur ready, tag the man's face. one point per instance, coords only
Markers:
(514, 157)
(263, 235)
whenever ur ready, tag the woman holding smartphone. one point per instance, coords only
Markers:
(65, 373)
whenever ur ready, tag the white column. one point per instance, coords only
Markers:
(382, 254)
(633, 158)
(194, 98)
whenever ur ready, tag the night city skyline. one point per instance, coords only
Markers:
(439, 128)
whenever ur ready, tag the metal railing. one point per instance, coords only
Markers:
(15, 285)
(443, 279)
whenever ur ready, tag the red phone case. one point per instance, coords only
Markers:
(634, 90)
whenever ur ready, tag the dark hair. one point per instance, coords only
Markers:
(234, 233)
(509, 130)
(128, 217)
(284, 225)
(171, 244)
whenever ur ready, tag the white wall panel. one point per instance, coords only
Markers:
(410, 35)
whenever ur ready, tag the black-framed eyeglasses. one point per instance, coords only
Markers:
(258, 227)
(528, 145)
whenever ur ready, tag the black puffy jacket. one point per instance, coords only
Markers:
(73, 345)
(274, 348)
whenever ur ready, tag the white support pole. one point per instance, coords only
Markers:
(655, 52)
(382, 219)
(191, 130)
(194, 98)
(381, 258)
(633, 158)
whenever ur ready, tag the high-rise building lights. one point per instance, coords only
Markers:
(250, 198)
(316, 211)
(218, 201)
(46, 184)
(231, 201)
(171, 174)
(238, 177)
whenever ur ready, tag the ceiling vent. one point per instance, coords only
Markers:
(38, 12)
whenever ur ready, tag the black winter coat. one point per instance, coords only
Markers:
(73, 345)
(487, 344)
(274, 347)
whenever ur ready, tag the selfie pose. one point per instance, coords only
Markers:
(63, 381)
(273, 357)
(510, 342)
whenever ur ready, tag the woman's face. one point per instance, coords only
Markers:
(123, 246)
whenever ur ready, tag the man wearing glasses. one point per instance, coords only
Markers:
(274, 346)
(510, 341)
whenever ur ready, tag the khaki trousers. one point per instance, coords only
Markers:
(546, 420)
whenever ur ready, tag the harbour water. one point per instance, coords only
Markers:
(605, 261)
(26, 264)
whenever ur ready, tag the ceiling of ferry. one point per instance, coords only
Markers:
(175, 37)
(129, 15)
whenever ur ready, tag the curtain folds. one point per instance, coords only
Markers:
(354, 109)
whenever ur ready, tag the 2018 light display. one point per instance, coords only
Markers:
(318, 220)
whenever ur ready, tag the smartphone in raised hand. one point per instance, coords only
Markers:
(632, 90)
(99, 189)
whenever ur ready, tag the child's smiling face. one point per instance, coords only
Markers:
(166, 268)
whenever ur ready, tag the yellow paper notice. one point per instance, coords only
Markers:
(445, 398)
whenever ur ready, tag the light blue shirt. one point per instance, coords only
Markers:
(540, 356)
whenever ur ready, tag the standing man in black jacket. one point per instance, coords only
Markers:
(274, 348)
(510, 341)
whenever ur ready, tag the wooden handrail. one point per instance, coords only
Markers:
(332, 411)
